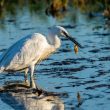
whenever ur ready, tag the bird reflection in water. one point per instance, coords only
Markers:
(21, 97)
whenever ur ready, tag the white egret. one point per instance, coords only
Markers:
(28, 51)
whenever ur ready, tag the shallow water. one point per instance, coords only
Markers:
(65, 72)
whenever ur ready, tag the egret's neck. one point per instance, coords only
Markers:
(54, 40)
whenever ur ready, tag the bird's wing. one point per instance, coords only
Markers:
(24, 52)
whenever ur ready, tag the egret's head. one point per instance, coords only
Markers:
(60, 31)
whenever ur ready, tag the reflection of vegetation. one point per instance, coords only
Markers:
(57, 8)
(91, 6)
(58, 5)
(12, 6)
(36, 5)
(54, 7)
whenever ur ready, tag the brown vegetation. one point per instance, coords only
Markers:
(56, 6)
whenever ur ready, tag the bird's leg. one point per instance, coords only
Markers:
(26, 76)
(32, 82)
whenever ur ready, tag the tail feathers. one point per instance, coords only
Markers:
(1, 69)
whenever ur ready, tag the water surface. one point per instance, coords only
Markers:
(65, 72)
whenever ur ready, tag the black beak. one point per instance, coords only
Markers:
(72, 39)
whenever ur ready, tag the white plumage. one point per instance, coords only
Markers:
(30, 50)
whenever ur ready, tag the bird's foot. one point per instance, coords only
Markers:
(35, 89)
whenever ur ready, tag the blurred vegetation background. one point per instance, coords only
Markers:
(53, 7)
